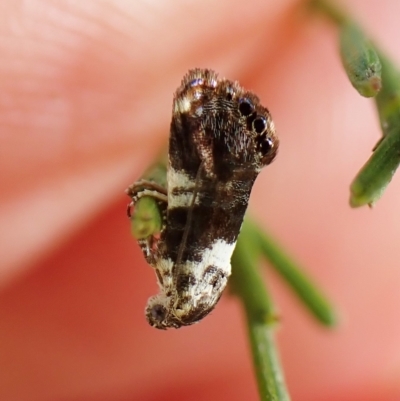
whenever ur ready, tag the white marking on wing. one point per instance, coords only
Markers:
(178, 179)
(181, 200)
(182, 105)
(219, 255)
(164, 267)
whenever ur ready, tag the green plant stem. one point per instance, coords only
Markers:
(246, 282)
(271, 383)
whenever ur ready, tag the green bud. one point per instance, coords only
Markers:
(146, 219)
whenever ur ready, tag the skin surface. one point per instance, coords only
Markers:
(86, 96)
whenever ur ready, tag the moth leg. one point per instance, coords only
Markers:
(138, 190)
(144, 187)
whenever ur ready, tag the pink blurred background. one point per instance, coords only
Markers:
(85, 94)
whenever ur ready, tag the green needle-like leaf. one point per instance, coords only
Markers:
(378, 171)
(376, 174)
(388, 99)
(294, 275)
(360, 60)
(372, 74)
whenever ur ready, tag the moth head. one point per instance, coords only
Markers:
(158, 312)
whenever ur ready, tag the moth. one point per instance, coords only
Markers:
(220, 139)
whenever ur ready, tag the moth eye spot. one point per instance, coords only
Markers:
(229, 96)
(265, 144)
(245, 107)
(259, 125)
(250, 119)
(158, 313)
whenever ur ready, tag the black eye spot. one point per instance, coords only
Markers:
(250, 119)
(259, 124)
(245, 107)
(228, 96)
(265, 144)
(158, 313)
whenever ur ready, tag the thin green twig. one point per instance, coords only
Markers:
(247, 284)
